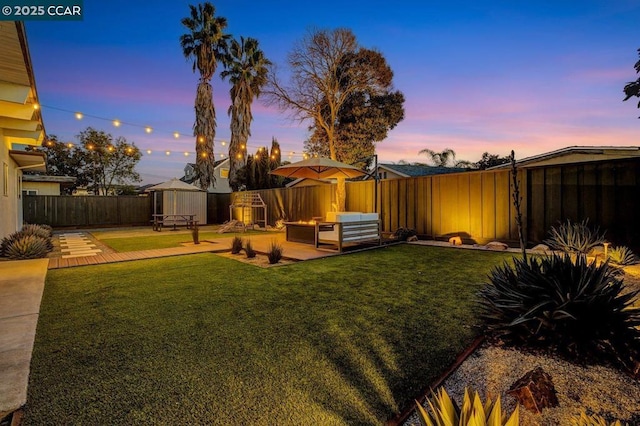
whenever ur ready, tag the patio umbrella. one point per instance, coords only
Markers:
(318, 168)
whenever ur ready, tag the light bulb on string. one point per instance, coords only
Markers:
(176, 135)
(116, 123)
(148, 129)
(148, 151)
(79, 116)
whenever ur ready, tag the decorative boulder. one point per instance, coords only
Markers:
(455, 241)
(535, 391)
(541, 248)
(496, 245)
(412, 238)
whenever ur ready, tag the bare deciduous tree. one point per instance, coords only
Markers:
(320, 84)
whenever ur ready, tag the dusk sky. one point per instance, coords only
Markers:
(477, 76)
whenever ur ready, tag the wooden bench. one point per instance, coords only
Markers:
(348, 227)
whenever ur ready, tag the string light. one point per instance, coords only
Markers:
(148, 129)
(186, 154)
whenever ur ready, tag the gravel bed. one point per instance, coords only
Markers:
(597, 389)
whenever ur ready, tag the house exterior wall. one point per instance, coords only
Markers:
(10, 200)
(222, 180)
(384, 173)
(42, 188)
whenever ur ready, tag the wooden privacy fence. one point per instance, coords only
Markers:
(606, 193)
(478, 205)
(473, 204)
(64, 211)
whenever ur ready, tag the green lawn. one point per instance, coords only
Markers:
(203, 339)
(157, 240)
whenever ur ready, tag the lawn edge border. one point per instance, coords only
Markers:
(462, 356)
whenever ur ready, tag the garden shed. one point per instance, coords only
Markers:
(176, 197)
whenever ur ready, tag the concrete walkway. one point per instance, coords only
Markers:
(21, 287)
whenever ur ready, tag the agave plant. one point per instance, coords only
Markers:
(574, 237)
(27, 247)
(444, 412)
(573, 307)
(38, 231)
(592, 420)
(622, 256)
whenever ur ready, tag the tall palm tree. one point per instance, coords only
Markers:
(440, 159)
(205, 44)
(247, 73)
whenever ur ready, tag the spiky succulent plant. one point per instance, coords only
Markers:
(444, 412)
(27, 247)
(573, 307)
(622, 256)
(574, 237)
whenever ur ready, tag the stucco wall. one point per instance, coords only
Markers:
(10, 204)
(43, 188)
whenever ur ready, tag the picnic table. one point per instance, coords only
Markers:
(159, 220)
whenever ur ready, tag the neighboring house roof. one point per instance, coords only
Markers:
(575, 154)
(414, 170)
(47, 178)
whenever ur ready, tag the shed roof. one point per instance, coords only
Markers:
(174, 184)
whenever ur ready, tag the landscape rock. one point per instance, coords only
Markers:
(455, 241)
(541, 248)
(412, 238)
(535, 391)
(496, 245)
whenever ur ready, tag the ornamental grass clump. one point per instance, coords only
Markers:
(444, 412)
(236, 245)
(571, 307)
(274, 254)
(248, 249)
(574, 238)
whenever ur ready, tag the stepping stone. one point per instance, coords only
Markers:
(87, 250)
